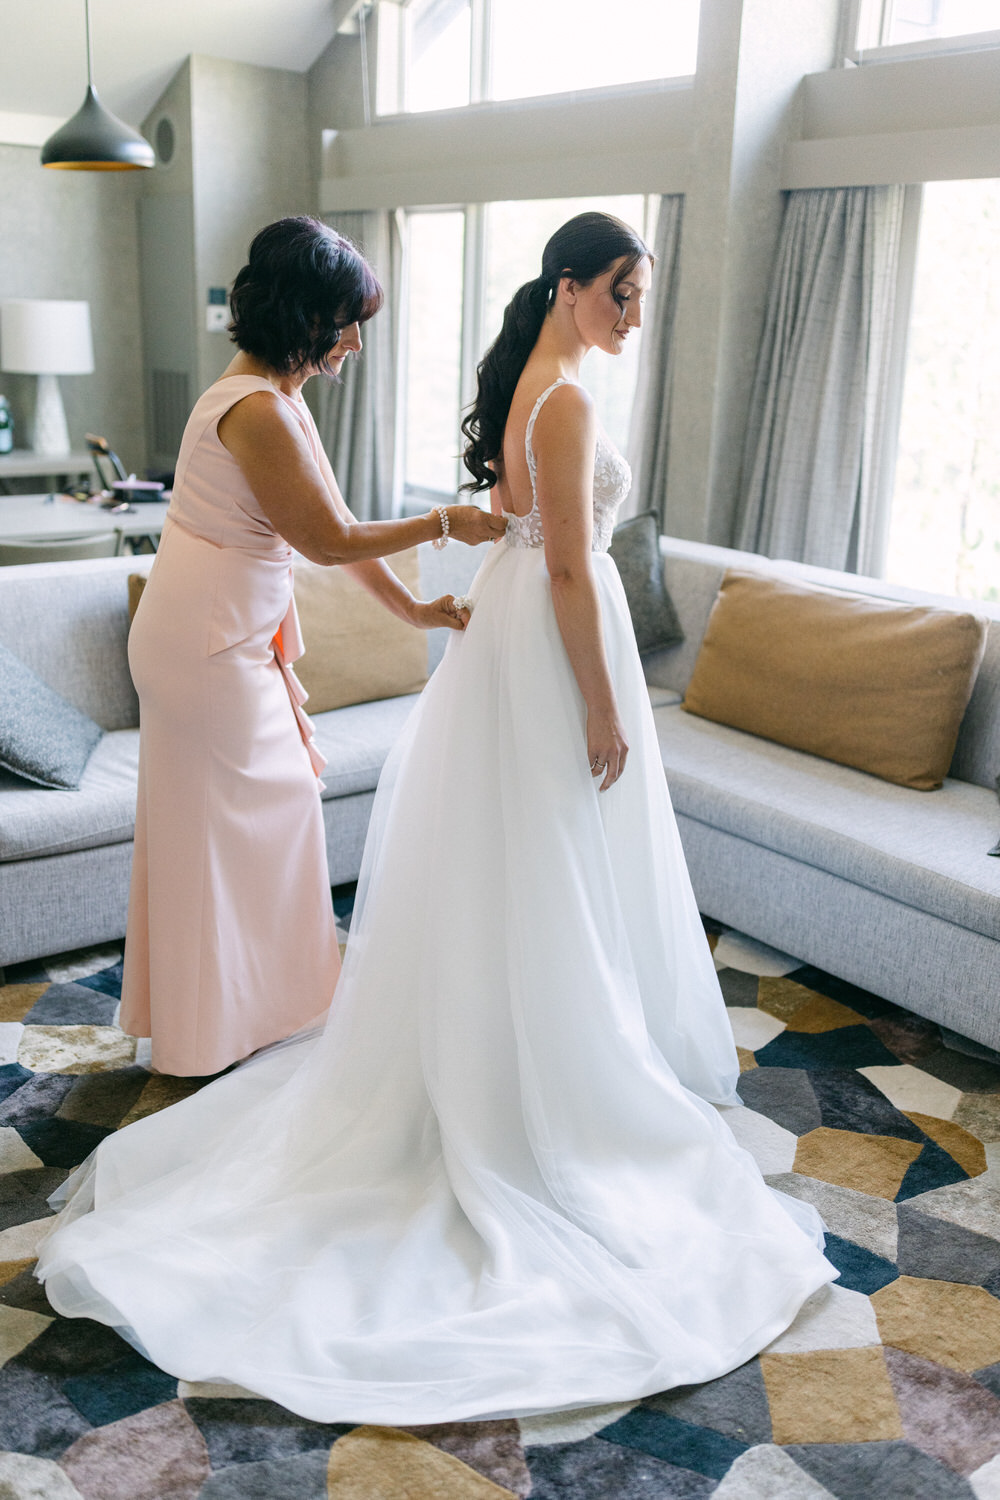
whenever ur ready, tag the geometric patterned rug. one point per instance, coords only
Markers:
(888, 1383)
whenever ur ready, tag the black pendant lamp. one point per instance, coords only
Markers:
(95, 140)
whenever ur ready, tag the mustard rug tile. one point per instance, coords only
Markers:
(874, 1164)
(746, 1059)
(17, 999)
(954, 1325)
(783, 997)
(493, 1449)
(375, 1462)
(820, 1013)
(831, 1396)
(960, 1144)
(18, 1329)
(159, 1454)
(11, 1269)
(74, 1049)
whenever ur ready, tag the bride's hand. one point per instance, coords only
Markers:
(472, 525)
(437, 612)
(607, 747)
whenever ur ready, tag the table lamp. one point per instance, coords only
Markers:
(46, 338)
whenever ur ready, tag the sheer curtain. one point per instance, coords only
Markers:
(357, 419)
(648, 440)
(815, 487)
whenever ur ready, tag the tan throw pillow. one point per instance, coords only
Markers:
(865, 682)
(136, 584)
(355, 649)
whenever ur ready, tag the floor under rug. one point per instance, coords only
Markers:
(888, 1384)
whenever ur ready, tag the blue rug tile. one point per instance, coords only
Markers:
(990, 1378)
(700, 1449)
(61, 1143)
(596, 1470)
(35, 1416)
(245, 1431)
(300, 1478)
(37, 1098)
(74, 1346)
(784, 1095)
(72, 1005)
(12, 1077)
(846, 1047)
(933, 1168)
(24, 1195)
(122, 1389)
(860, 1269)
(877, 1471)
(107, 981)
(849, 1101)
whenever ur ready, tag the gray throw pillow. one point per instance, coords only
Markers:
(635, 548)
(42, 737)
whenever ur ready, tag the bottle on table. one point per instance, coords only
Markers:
(6, 426)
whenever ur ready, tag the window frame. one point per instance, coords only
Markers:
(866, 54)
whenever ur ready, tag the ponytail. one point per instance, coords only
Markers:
(497, 377)
(584, 248)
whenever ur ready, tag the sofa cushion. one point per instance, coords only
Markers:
(866, 682)
(356, 740)
(356, 651)
(928, 852)
(635, 550)
(42, 737)
(36, 821)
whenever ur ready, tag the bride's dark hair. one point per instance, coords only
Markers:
(583, 248)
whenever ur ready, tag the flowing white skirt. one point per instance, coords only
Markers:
(492, 1185)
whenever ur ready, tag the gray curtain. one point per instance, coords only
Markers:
(649, 428)
(813, 487)
(357, 419)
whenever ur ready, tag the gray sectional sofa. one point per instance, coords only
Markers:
(889, 888)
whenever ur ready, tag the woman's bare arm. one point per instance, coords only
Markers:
(267, 442)
(564, 441)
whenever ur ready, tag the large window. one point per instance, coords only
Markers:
(945, 524)
(462, 267)
(458, 52)
(890, 23)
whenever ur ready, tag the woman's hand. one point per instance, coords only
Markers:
(470, 524)
(607, 747)
(444, 611)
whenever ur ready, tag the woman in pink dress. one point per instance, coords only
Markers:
(231, 938)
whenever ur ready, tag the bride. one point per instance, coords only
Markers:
(496, 1183)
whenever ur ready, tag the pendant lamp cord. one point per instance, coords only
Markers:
(86, 12)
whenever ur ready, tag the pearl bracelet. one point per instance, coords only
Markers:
(441, 511)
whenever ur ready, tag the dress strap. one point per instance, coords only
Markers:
(529, 451)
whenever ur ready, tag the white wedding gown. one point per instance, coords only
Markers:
(492, 1185)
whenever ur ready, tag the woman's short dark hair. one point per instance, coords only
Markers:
(584, 248)
(302, 284)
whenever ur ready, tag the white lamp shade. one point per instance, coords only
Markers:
(45, 337)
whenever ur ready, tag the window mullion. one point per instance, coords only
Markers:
(473, 297)
(480, 50)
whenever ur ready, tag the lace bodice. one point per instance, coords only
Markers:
(612, 480)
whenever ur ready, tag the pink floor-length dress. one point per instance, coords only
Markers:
(231, 940)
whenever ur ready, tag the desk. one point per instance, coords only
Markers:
(35, 518)
(22, 463)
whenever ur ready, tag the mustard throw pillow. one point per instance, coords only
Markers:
(355, 649)
(865, 682)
